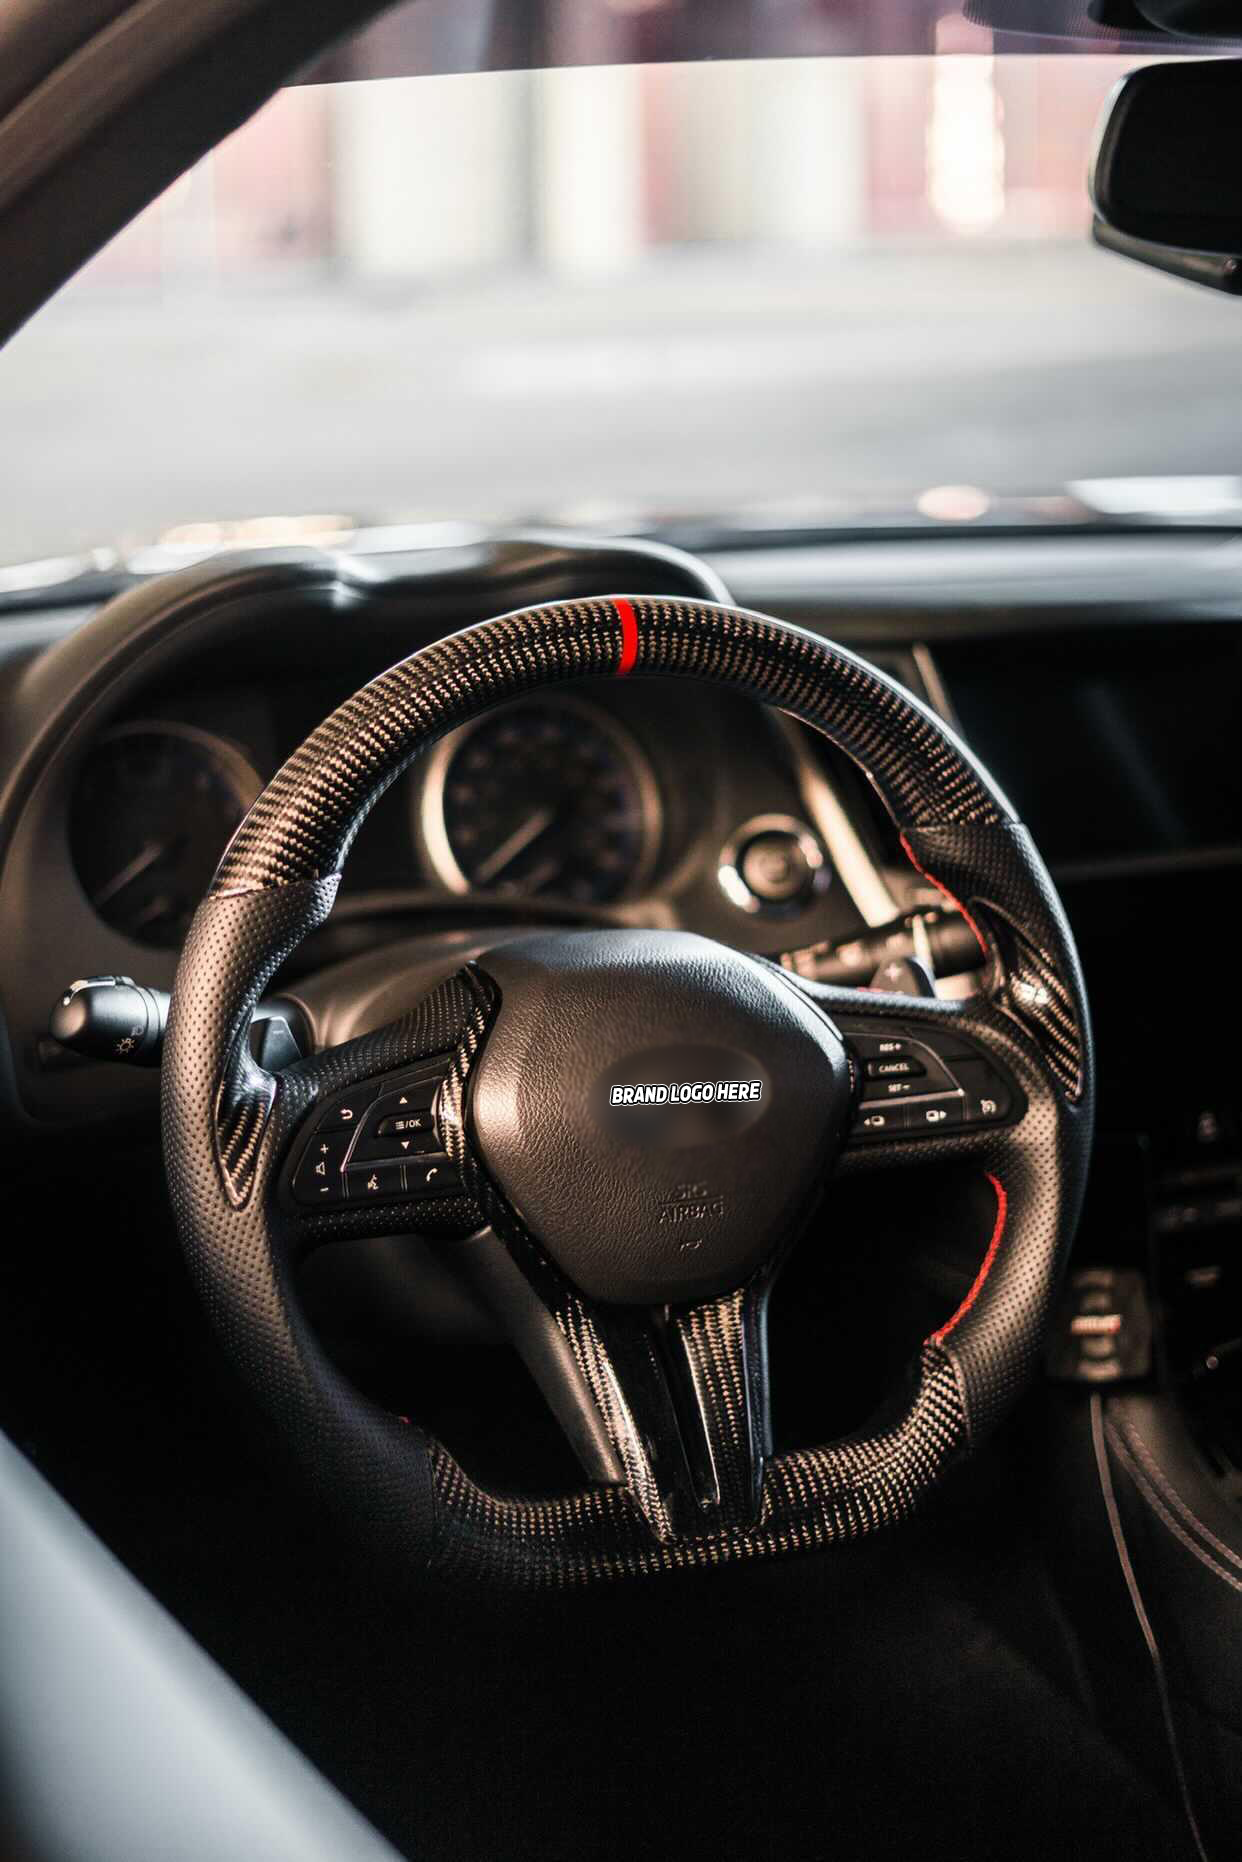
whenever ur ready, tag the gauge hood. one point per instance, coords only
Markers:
(1211, 501)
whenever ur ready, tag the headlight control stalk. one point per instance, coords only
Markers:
(115, 1018)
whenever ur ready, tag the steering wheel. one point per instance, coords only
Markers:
(625, 1131)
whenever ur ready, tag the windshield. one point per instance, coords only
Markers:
(769, 292)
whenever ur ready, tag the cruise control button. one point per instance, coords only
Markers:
(987, 1096)
(318, 1178)
(935, 1115)
(901, 1067)
(891, 1089)
(881, 1122)
(375, 1182)
(986, 1108)
(876, 1046)
(432, 1176)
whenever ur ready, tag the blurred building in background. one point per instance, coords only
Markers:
(456, 176)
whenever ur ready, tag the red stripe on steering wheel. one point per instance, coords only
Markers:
(1002, 1209)
(629, 638)
(944, 892)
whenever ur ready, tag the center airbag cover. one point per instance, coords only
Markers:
(656, 1108)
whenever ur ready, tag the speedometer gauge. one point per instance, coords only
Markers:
(155, 806)
(549, 796)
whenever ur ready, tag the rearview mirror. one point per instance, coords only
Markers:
(1166, 181)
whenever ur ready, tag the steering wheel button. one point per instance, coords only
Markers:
(396, 1139)
(987, 1095)
(903, 1067)
(990, 1108)
(408, 1095)
(374, 1182)
(877, 1122)
(432, 1176)
(935, 1115)
(405, 1125)
(318, 1177)
(346, 1114)
(405, 1101)
(876, 1046)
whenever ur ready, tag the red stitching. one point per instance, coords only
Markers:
(944, 892)
(1002, 1206)
(629, 638)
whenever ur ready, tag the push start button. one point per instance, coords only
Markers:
(775, 868)
(774, 863)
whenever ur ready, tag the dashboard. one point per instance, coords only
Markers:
(130, 766)
(607, 799)
(1112, 721)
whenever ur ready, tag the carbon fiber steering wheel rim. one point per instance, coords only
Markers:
(229, 1127)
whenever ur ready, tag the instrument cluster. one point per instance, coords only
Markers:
(552, 795)
(712, 815)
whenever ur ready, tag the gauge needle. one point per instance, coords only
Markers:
(523, 836)
(153, 851)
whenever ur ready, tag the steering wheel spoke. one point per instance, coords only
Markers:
(670, 1403)
(928, 1075)
(362, 1139)
(374, 1141)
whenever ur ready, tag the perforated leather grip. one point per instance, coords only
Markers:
(226, 1123)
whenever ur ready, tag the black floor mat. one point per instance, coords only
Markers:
(864, 1705)
(919, 1694)
(916, 1695)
